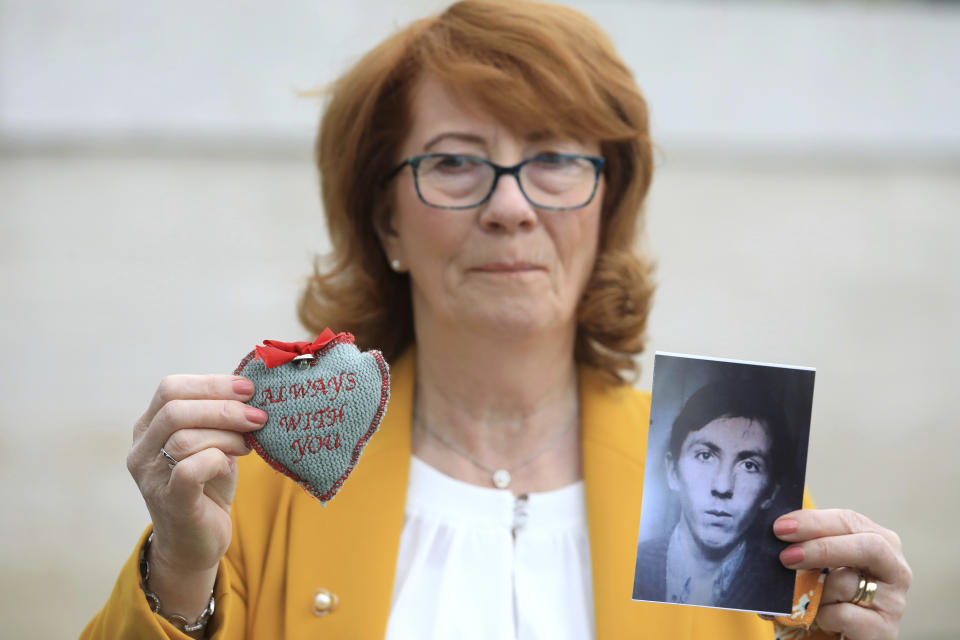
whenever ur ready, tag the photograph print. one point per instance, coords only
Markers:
(726, 456)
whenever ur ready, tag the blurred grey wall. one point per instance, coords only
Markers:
(158, 214)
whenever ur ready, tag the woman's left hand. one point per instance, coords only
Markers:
(851, 545)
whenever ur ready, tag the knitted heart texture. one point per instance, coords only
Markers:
(324, 401)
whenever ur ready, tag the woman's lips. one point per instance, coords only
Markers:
(507, 267)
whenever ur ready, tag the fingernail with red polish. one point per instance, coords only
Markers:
(791, 556)
(254, 415)
(785, 526)
(243, 387)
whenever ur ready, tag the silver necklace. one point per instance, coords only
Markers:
(501, 478)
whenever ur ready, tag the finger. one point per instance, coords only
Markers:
(807, 524)
(194, 387)
(190, 474)
(868, 551)
(855, 622)
(231, 415)
(841, 585)
(186, 442)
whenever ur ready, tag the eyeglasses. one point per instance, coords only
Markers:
(557, 181)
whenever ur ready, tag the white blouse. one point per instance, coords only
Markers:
(480, 563)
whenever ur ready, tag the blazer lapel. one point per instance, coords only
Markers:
(350, 547)
(614, 439)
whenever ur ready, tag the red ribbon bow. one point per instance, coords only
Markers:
(275, 353)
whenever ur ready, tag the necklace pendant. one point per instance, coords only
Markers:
(501, 478)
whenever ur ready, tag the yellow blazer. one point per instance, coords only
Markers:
(286, 545)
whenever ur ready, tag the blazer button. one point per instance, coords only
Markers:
(324, 602)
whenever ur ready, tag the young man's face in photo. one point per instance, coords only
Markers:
(722, 475)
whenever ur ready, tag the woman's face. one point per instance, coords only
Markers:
(506, 266)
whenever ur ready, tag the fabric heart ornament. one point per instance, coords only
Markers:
(324, 401)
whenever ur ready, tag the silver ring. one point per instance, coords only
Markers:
(171, 461)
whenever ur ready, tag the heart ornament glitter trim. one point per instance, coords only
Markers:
(324, 401)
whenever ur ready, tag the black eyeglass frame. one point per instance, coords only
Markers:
(499, 170)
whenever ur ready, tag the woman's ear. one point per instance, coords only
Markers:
(389, 240)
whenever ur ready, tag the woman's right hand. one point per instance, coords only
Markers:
(200, 422)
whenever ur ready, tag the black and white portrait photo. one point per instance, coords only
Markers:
(726, 456)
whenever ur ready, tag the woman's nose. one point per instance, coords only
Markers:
(508, 210)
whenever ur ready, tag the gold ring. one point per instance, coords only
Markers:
(866, 591)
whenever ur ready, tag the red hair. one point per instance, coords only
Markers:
(538, 65)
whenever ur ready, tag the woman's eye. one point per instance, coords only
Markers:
(451, 162)
(554, 159)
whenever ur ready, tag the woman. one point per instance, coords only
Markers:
(483, 173)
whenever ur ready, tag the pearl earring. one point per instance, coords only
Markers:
(395, 264)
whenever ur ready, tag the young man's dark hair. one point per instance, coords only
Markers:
(735, 398)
